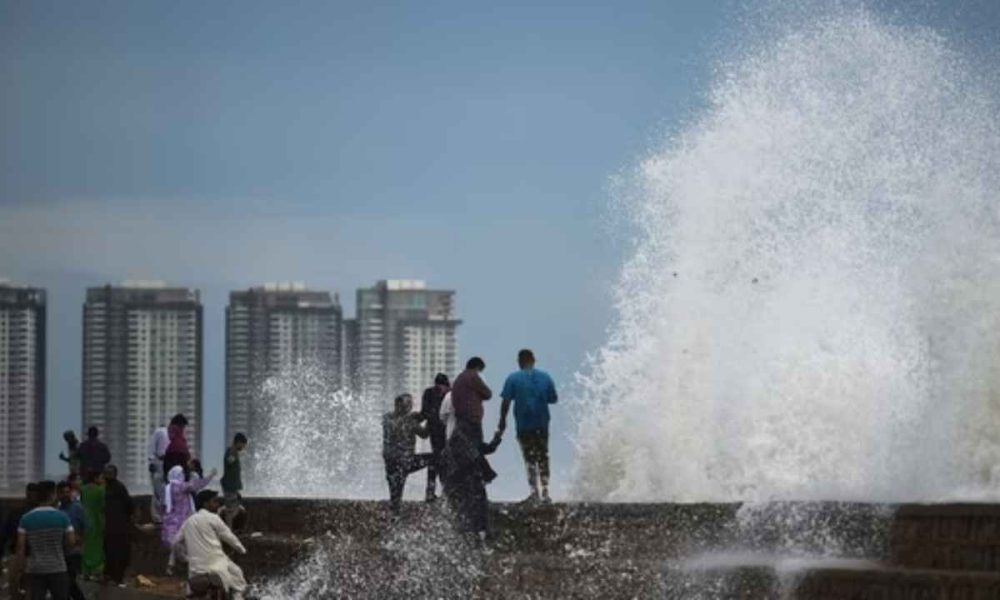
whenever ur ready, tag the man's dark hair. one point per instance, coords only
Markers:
(203, 498)
(179, 420)
(113, 470)
(93, 432)
(239, 438)
(525, 357)
(441, 379)
(475, 363)
(45, 492)
(62, 485)
(69, 434)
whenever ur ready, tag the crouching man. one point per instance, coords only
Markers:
(200, 542)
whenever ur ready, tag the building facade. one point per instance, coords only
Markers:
(404, 334)
(269, 330)
(22, 384)
(142, 364)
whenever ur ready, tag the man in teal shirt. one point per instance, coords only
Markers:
(532, 391)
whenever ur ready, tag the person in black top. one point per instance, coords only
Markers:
(430, 412)
(118, 514)
(94, 454)
(465, 472)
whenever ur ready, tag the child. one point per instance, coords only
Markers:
(400, 429)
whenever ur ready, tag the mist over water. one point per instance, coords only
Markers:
(812, 306)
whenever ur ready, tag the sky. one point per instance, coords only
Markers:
(222, 145)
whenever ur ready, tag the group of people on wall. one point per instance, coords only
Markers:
(83, 527)
(451, 417)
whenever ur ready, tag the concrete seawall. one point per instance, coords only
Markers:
(333, 548)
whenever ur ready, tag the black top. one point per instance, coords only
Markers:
(118, 507)
(430, 410)
(94, 456)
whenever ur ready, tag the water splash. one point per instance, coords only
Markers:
(811, 308)
(317, 439)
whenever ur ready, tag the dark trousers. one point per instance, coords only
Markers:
(396, 470)
(438, 441)
(73, 566)
(117, 554)
(56, 584)
(535, 450)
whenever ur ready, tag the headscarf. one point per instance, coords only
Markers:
(175, 477)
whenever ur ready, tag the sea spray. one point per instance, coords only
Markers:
(811, 308)
(315, 438)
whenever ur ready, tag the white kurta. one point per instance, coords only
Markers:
(447, 414)
(202, 536)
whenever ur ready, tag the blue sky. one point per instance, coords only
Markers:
(220, 145)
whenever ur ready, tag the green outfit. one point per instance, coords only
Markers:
(92, 498)
(232, 474)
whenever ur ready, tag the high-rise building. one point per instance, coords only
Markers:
(22, 384)
(142, 364)
(404, 335)
(269, 330)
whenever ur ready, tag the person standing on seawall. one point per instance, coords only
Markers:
(232, 480)
(155, 451)
(531, 390)
(467, 396)
(94, 455)
(430, 411)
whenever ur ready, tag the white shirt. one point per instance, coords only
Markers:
(202, 535)
(447, 414)
(157, 446)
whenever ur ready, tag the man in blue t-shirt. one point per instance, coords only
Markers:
(532, 391)
(48, 532)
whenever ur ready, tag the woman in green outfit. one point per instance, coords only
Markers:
(92, 498)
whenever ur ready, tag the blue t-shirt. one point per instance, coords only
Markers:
(532, 391)
(45, 530)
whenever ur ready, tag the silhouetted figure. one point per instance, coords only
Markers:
(466, 472)
(72, 455)
(430, 413)
(47, 531)
(94, 455)
(232, 480)
(468, 393)
(177, 454)
(118, 523)
(532, 391)
(74, 558)
(400, 429)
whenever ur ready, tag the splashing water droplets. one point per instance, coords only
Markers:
(829, 333)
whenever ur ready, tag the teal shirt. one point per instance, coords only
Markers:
(532, 391)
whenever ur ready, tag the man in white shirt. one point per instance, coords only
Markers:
(201, 539)
(156, 448)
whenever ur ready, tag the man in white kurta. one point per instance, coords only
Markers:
(202, 536)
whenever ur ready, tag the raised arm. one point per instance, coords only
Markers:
(227, 536)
